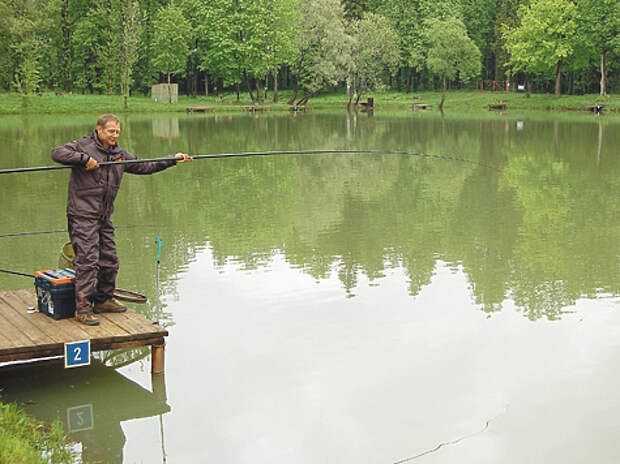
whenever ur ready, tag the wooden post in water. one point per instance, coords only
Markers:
(157, 358)
(158, 387)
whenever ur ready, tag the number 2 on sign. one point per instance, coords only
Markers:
(77, 354)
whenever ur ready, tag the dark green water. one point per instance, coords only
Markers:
(346, 308)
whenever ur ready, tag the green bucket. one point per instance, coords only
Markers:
(66, 256)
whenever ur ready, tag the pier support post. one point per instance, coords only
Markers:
(158, 387)
(157, 358)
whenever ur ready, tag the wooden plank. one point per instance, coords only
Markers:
(6, 343)
(60, 330)
(141, 323)
(22, 323)
(134, 326)
(129, 344)
(69, 326)
(20, 341)
(75, 331)
(106, 329)
(94, 347)
(15, 337)
(103, 330)
(17, 342)
(29, 297)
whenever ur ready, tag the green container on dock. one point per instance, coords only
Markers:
(67, 255)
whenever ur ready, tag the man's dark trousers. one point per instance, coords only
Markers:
(95, 260)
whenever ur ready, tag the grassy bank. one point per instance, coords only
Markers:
(11, 103)
(24, 440)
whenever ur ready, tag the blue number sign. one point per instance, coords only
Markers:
(77, 354)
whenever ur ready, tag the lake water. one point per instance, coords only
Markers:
(344, 308)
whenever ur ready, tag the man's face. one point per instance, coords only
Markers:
(109, 134)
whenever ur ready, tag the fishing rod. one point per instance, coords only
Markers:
(119, 293)
(261, 153)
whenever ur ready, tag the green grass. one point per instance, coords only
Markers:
(24, 440)
(456, 101)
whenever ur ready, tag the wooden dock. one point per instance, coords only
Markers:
(28, 335)
(254, 108)
(596, 108)
(497, 106)
(198, 109)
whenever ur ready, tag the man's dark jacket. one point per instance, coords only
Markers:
(92, 193)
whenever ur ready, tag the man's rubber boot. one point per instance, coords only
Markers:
(110, 306)
(86, 319)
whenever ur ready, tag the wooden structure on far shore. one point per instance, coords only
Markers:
(497, 106)
(198, 109)
(596, 108)
(26, 335)
(252, 108)
(165, 93)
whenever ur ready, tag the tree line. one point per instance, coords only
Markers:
(307, 46)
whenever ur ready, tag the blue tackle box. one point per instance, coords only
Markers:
(55, 292)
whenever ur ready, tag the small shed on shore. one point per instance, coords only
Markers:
(165, 93)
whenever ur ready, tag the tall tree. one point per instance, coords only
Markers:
(25, 24)
(323, 48)
(145, 74)
(479, 16)
(229, 36)
(95, 42)
(56, 61)
(506, 18)
(599, 27)
(406, 17)
(375, 53)
(130, 29)
(283, 20)
(216, 34)
(170, 44)
(546, 38)
(451, 52)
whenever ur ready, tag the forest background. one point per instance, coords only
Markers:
(123, 47)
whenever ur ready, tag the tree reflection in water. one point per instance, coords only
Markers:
(544, 244)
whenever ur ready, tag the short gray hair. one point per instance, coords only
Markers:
(106, 118)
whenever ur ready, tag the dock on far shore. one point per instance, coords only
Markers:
(253, 108)
(198, 109)
(26, 335)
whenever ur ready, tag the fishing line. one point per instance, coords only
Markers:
(264, 153)
(57, 231)
(19, 234)
(453, 442)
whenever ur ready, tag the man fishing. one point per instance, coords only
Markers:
(90, 204)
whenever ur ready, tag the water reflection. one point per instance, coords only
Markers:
(90, 402)
(541, 245)
(166, 128)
